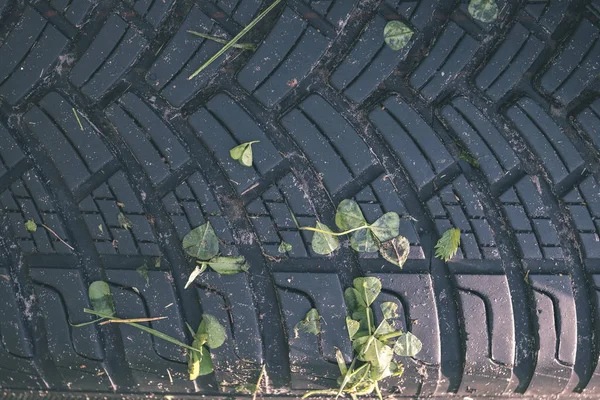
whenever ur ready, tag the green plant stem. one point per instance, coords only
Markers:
(308, 228)
(262, 372)
(145, 329)
(86, 323)
(319, 392)
(346, 378)
(235, 39)
(390, 335)
(378, 391)
(243, 46)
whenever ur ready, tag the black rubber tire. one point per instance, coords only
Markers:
(338, 115)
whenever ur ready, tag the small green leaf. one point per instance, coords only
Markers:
(339, 357)
(101, 298)
(364, 316)
(354, 301)
(465, 155)
(157, 262)
(376, 352)
(197, 271)
(310, 324)
(284, 247)
(369, 288)
(124, 222)
(229, 265)
(206, 365)
(30, 225)
(364, 241)
(349, 216)
(201, 242)
(323, 243)
(143, 271)
(408, 345)
(448, 244)
(194, 363)
(389, 309)
(397, 35)
(352, 326)
(395, 250)
(384, 328)
(212, 330)
(485, 11)
(386, 227)
(243, 153)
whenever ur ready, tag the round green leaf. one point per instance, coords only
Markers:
(354, 301)
(389, 309)
(201, 242)
(396, 34)
(206, 365)
(323, 243)
(214, 331)
(395, 250)
(386, 227)
(284, 247)
(408, 345)
(364, 241)
(229, 265)
(369, 288)
(352, 326)
(30, 225)
(243, 153)
(101, 298)
(310, 324)
(485, 11)
(349, 215)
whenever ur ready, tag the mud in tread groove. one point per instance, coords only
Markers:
(338, 115)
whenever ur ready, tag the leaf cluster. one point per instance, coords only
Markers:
(485, 11)
(374, 345)
(210, 332)
(203, 244)
(382, 235)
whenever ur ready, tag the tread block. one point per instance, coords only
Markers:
(191, 204)
(230, 299)
(16, 350)
(152, 11)
(100, 210)
(368, 64)
(36, 46)
(509, 63)
(25, 199)
(451, 52)
(419, 12)
(74, 11)
(422, 153)
(222, 125)
(528, 216)
(108, 58)
(557, 333)
(283, 60)
(76, 153)
(148, 356)
(546, 139)
(310, 357)
(148, 136)
(273, 218)
(241, 11)
(482, 139)
(584, 204)
(419, 315)
(340, 155)
(456, 205)
(182, 56)
(10, 153)
(548, 13)
(574, 68)
(589, 120)
(62, 296)
(490, 350)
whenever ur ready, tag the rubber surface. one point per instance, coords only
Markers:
(338, 115)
